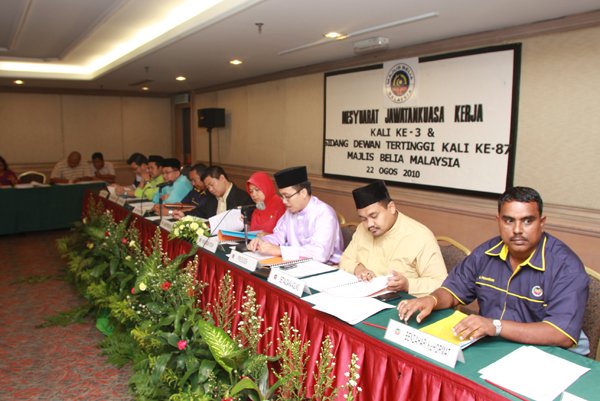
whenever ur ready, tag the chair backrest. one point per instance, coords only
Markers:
(341, 218)
(591, 318)
(453, 251)
(348, 230)
(30, 176)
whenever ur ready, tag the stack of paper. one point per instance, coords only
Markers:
(350, 310)
(533, 373)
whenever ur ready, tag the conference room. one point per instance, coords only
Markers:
(449, 103)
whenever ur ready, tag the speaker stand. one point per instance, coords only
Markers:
(209, 129)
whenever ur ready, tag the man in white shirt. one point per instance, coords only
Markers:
(70, 170)
(102, 170)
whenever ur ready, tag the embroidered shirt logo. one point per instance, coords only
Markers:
(537, 291)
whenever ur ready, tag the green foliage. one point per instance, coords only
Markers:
(75, 315)
(179, 352)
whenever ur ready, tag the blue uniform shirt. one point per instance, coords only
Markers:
(180, 188)
(551, 286)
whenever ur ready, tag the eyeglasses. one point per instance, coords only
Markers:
(288, 197)
(168, 172)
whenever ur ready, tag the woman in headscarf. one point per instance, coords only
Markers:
(269, 206)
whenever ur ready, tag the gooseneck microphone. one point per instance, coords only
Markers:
(164, 184)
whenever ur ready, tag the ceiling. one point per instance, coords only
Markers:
(87, 44)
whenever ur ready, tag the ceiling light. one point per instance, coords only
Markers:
(236, 62)
(19, 82)
(333, 35)
(181, 78)
(145, 88)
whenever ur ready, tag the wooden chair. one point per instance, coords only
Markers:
(348, 230)
(591, 318)
(30, 176)
(453, 251)
(341, 218)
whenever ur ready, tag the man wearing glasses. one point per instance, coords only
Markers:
(178, 184)
(309, 227)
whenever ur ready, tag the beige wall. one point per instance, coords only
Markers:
(39, 129)
(280, 123)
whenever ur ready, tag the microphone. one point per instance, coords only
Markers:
(164, 184)
(258, 205)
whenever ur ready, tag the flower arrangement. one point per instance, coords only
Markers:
(179, 350)
(190, 228)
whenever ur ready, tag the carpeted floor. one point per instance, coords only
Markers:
(54, 363)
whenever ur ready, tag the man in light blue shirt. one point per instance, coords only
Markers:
(177, 186)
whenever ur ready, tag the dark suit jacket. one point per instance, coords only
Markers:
(236, 198)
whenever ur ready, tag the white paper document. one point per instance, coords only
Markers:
(343, 284)
(533, 373)
(228, 220)
(350, 310)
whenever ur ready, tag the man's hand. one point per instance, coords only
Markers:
(397, 282)
(119, 190)
(474, 326)
(423, 305)
(264, 247)
(363, 273)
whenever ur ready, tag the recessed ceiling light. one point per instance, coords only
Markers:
(333, 35)
(19, 82)
(145, 88)
(235, 62)
(181, 78)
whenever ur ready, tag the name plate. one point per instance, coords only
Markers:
(286, 282)
(103, 193)
(121, 201)
(242, 260)
(167, 224)
(138, 210)
(423, 343)
(208, 243)
(113, 198)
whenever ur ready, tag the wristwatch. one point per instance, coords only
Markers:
(498, 325)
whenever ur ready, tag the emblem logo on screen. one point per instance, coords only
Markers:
(400, 83)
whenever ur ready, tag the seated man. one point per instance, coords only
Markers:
(149, 182)
(308, 228)
(388, 242)
(139, 164)
(530, 286)
(198, 196)
(70, 170)
(225, 194)
(175, 186)
(102, 170)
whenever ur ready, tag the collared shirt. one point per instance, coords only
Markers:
(312, 232)
(408, 248)
(222, 200)
(150, 188)
(64, 171)
(107, 169)
(551, 286)
(180, 188)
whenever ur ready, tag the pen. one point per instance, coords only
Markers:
(374, 325)
(289, 267)
(507, 390)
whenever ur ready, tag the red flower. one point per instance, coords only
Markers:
(124, 241)
(165, 286)
(181, 344)
(107, 233)
(133, 290)
(227, 399)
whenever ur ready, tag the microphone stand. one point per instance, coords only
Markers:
(160, 203)
(244, 246)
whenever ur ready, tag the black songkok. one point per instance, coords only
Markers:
(369, 194)
(291, 176)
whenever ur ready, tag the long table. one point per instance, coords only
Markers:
(388, 372)
(42, 208)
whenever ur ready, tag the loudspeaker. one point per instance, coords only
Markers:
(211, 118)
